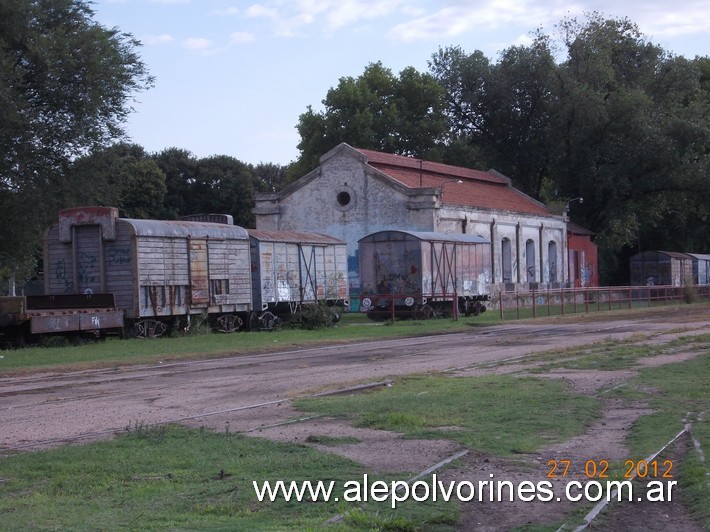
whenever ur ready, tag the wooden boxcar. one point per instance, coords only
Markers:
(661, 268)
(701, 268)
(156, 270)
(412, 273)
(294, 268)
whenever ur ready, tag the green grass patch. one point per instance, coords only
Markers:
(682, 394)
(353, 327)
(500, 415)
(175, 478)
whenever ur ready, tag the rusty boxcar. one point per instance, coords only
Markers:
(661, 268)
(417, 274)
(291, 268)
(156, 270)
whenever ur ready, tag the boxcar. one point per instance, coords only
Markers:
(661, 268)
(290, 269)
(701, 268)
(417, 274)
(156, 270)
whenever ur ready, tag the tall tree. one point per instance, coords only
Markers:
(377, 110)
(224, 185)
(66, 85)
(499, 112)
(180, 168)
(633, 135)
(123, 176)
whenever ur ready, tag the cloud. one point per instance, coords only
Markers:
(292, 17)
(157, 39)
(458, 18)
(241, 37)
(228, 12)
(197, 44)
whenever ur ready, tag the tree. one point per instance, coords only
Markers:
(66, 84)
(223, 185)
(620, 122)
(499, 113)
(180, 169)
(377, 110)
(269, 177)
(122, 176)
(633, 135)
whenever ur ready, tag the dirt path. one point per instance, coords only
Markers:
(250, 394)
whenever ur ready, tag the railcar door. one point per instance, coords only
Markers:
(199, 272)
(88, 259)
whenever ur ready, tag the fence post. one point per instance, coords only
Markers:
(534, 302)
(392, 304)
(562, 300)
(500, 304)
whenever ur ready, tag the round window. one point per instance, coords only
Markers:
(343, 199)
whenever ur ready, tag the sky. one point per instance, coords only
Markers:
(233, 77)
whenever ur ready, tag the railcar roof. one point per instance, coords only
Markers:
(295, 237)
(184, 229)
(431, 236)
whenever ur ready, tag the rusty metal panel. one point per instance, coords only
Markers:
(199, 273)
(45, 322)
(12, 304)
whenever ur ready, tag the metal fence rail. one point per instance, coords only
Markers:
(562, 301)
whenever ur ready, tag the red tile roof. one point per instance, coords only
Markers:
(460, 186)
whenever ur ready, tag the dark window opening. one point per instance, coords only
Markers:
(343, 199)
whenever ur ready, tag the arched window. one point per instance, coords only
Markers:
(530, 260)
(552, 258)
(507, 256)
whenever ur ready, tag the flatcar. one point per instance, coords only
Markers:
(421, 274)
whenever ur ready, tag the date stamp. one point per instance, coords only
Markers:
(596, 469)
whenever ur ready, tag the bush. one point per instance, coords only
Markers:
(315, 316)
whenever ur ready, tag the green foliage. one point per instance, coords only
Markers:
(377, 110)
(315, 316)
(66, 84)
(169, 477)
(498, 415)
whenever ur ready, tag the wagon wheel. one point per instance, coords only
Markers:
(229, 323)
(150, 328)
(269, 322)
(424, 312)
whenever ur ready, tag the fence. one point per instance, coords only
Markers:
(516, 305)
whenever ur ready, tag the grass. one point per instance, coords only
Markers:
(497, 415)
(682, 394)
(175, 478)
(353, 327)
(171, 477)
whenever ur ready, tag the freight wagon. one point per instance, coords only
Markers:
(290, 269)
(160, 272)
(106, 274)
(661, 268)
(419, 274)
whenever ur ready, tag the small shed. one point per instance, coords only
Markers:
(701, 268)
(425, 265)
(661, 268)
(290, 268)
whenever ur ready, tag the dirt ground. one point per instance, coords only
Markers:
(251, 394)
